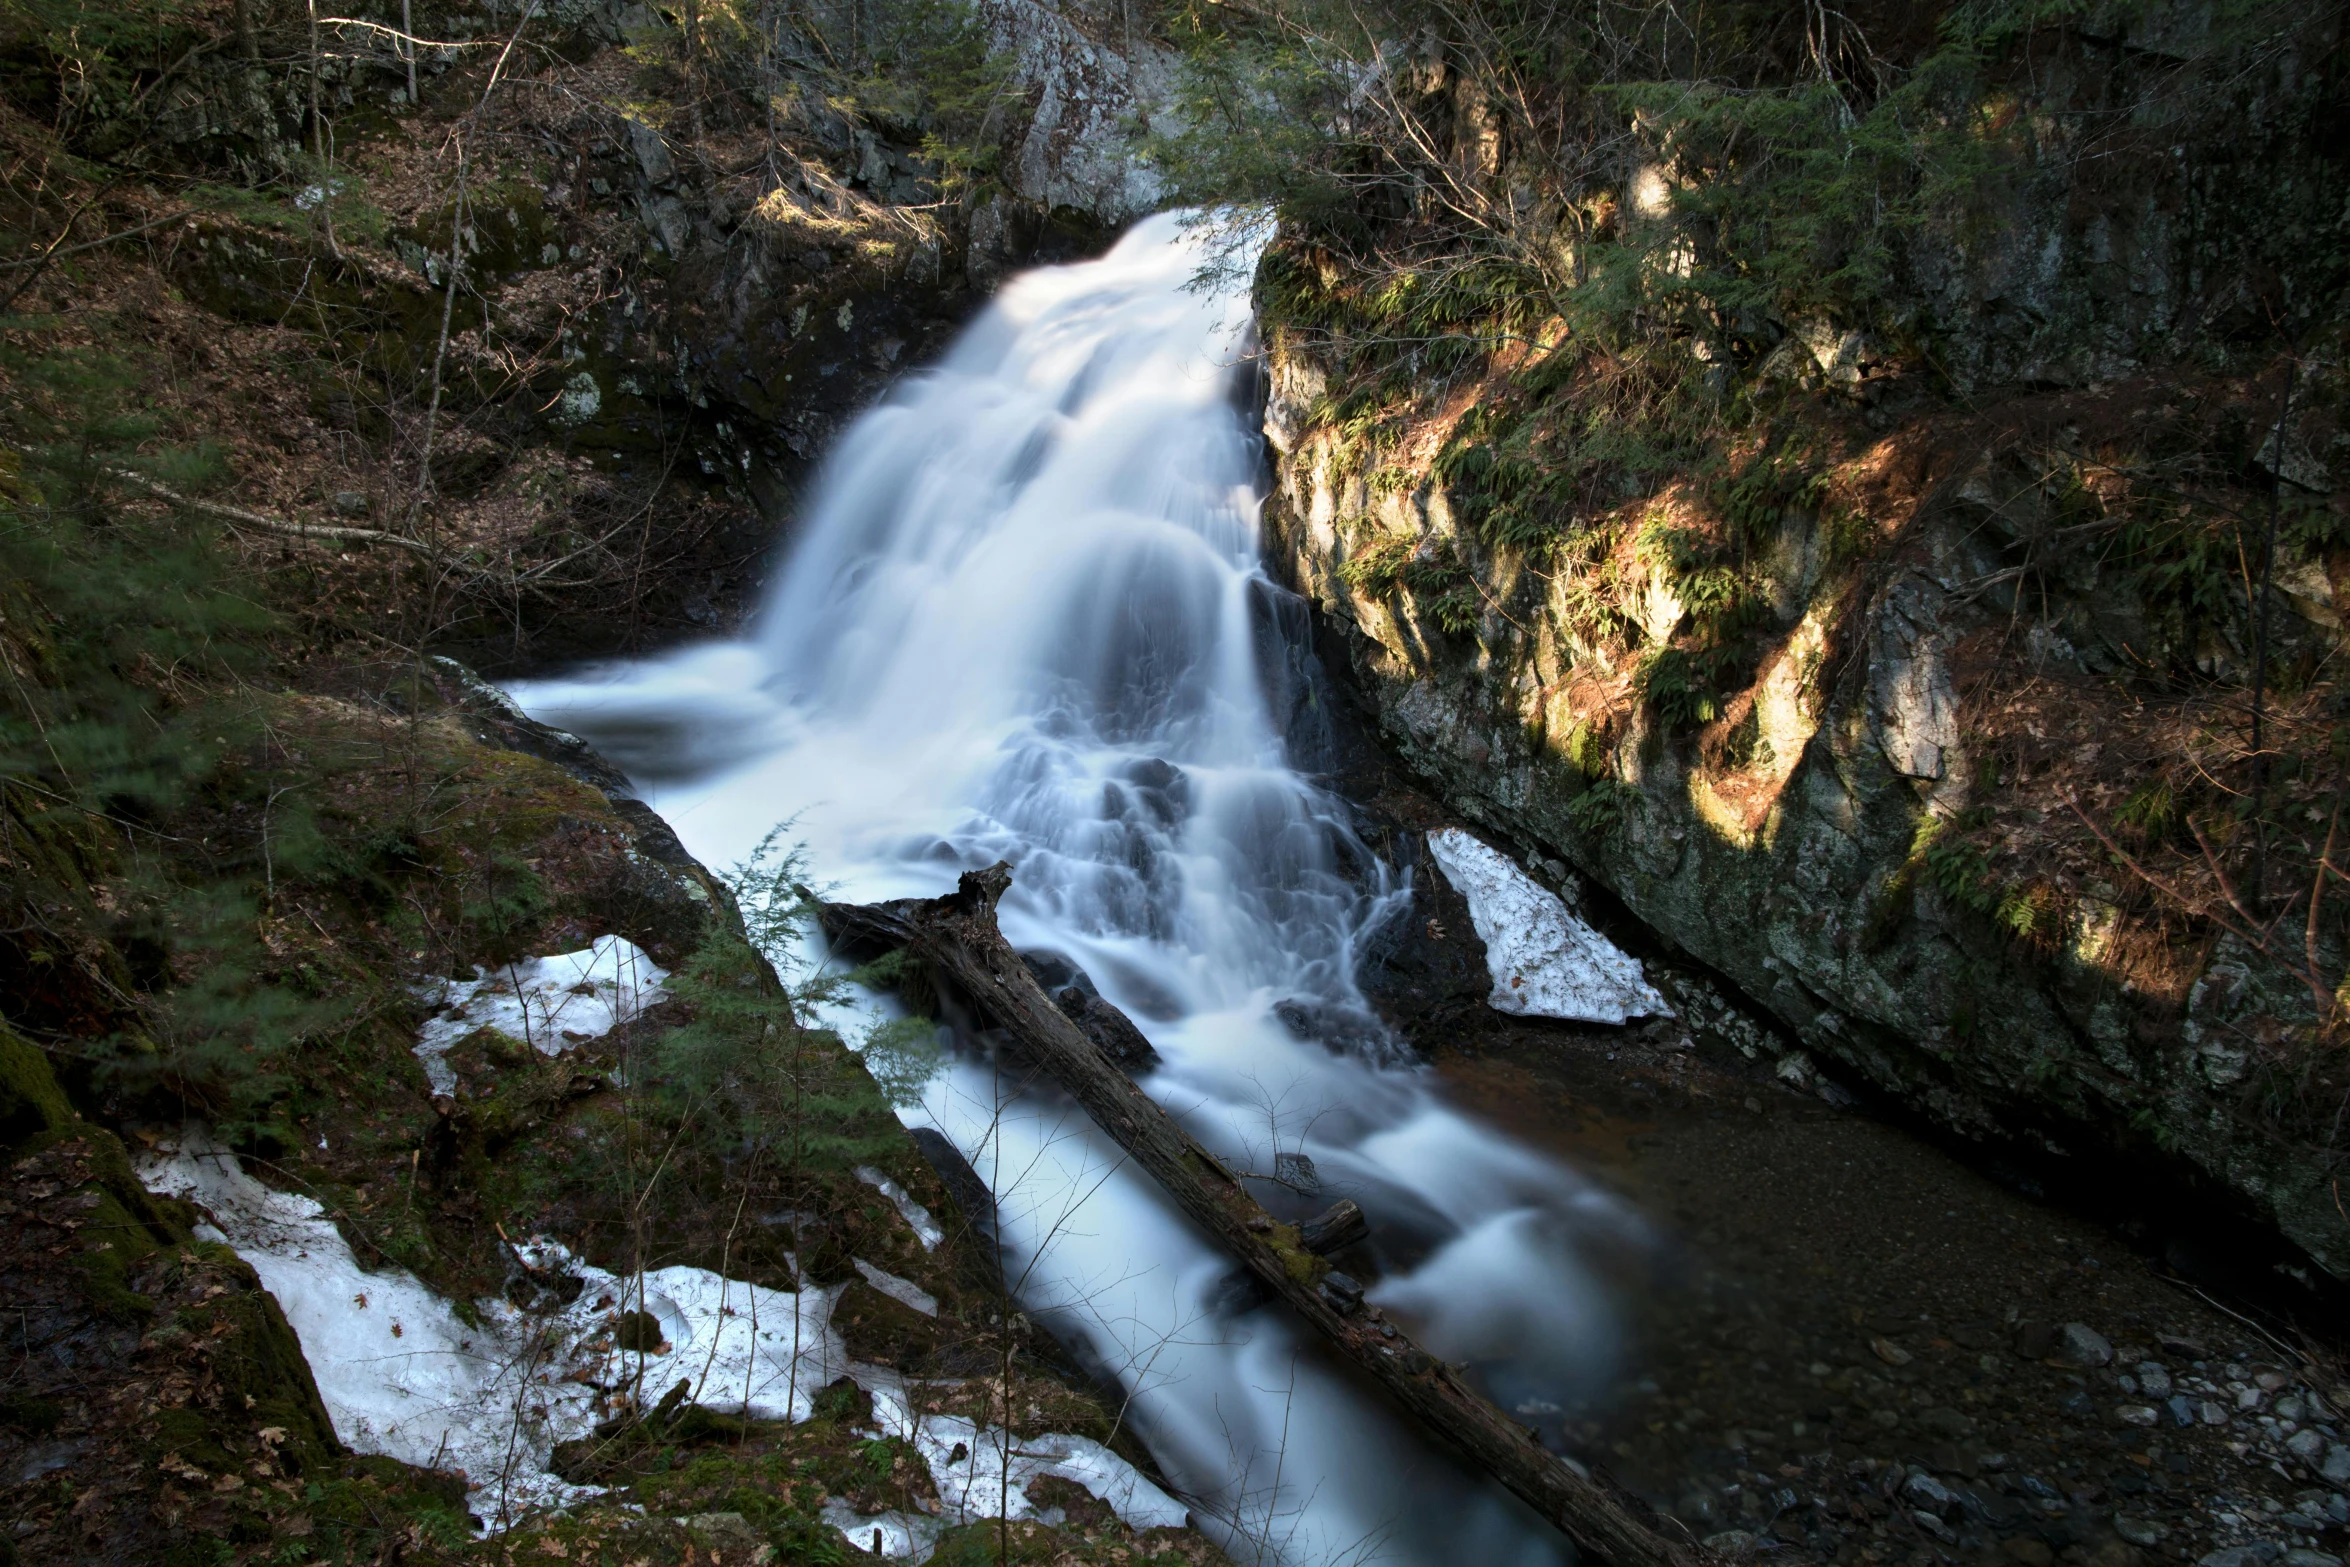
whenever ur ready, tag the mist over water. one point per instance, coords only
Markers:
(1025, 618)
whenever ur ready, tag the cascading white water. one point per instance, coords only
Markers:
(1024, 621)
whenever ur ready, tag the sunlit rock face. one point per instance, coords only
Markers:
(1793, 863)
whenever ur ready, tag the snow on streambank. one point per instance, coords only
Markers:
(550, 1003)
(1545, 961)
(404, 1376)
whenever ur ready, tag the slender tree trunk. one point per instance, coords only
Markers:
(317, 137)
(2268, 566)
(408, 48)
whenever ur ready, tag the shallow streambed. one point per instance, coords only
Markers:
(1852, 1344)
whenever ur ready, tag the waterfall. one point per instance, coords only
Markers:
(1025, 619)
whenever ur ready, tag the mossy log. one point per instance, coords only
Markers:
(957, 938)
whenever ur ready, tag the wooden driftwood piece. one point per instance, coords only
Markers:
(956, 937)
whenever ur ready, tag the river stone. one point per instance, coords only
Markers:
(1924, 1491)
(2305, 1557)
(2153, 1379)
(2139, 1531)
(2337, 1465)
(1113, 1033)
(1344, 1294)
(2078, 1344)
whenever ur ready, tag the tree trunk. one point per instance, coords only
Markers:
(956, 937)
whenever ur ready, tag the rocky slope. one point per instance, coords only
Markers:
(1923, 619)
(1785, 846)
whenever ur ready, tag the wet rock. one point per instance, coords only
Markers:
(2139, 1531)
(970, 1193)
(1335, 1228)
(1734, 1543)
(1922, 1490)
(1942, 1420)
(1112, 1032)
(2134, 1414)
(2258, 1554)
(1342, 1030)
(1935, 1526)
(2305, 1557)
(1057, 971)
(1238, 1293)
(2078, 1404)
(2182, 1409)
(2078, 1344)
(1344, 1294)
(2337, 1465)
(2153, 1379)
(2307, 1446)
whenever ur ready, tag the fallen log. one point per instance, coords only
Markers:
(956, 937)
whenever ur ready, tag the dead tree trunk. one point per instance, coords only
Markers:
(956, 937)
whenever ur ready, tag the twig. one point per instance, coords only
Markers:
(41, 262)
(90, 244)
(253, 519)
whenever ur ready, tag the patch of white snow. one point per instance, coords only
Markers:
(911, 1536)
(904, 1291)
(1545, 961)
(402, 1375)
(925, 1227)
(548, 1003)
(981, 1471)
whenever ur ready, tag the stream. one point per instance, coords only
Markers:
(1024, 618)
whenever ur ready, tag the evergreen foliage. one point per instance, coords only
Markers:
(762, 1078)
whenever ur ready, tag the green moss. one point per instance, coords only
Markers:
(31, 1103)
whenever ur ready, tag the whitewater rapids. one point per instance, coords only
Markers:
(1024, 617)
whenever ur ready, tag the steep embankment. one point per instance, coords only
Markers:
(1898, 662)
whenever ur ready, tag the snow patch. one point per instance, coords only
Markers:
(892, 1535)
(981, 1471)
(924, 1226)
(548, 1003)
(403, 1376)
(1545, 961)
(904, 1291)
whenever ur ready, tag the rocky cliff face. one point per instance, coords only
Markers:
(1790, 844)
